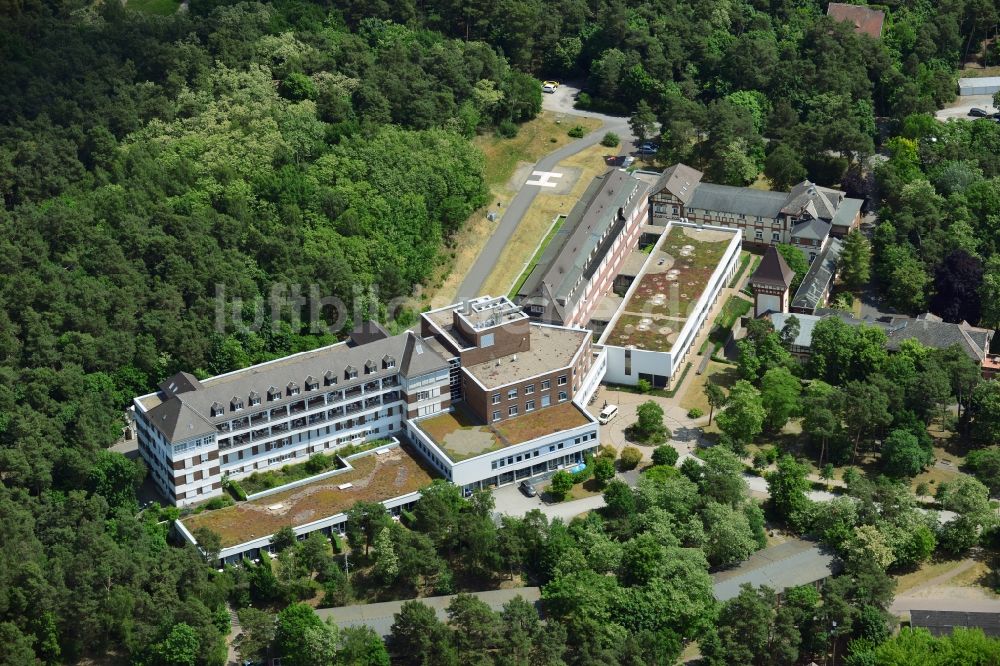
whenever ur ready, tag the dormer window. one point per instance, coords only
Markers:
(273, 393)
(292, 388)
(311, 383)
(236, 403)
(351, 372)
(388, 362)
(254, 398)
(217, 409)
(329, 379)
(370, 367)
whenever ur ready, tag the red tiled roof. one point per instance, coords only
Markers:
(865, 19)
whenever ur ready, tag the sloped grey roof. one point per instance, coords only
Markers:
(943, 622)
(813, 229)
(773, 270)
(679, 180)
(182, 382)
(937, 335)
(577, 245)
(790, 564)
(189, 413)
(806, 325)
(846, 212)
(817, 280)
(737, 200)
(808, 197)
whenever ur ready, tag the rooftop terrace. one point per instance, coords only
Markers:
(671, 284)
(374, 478)
(462, 435)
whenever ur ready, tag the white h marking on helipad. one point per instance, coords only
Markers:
(544, 178)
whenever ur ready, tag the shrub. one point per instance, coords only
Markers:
(219, 502)
(695, 413)
(604, 470)
(235, 489)
(665, 455)
(606, 451)
(316, 463)
(577, 131)
(583, 101)
(631, 457)
(561, 484)
(610, 140)
(507, 129)
(644, 386)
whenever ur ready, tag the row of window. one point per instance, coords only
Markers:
(529, 405)
(552, 448)
(530, 389)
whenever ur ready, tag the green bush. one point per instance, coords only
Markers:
(316, 463)
(219, 502)
(507, 129)
(610, 140)
(695, 413)
(665, 455)
(577, 131)
(583, 101)
(236, 489)
(562, 481)
(644, 386)
(630, 458)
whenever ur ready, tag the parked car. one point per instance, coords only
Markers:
(648, 148)
(549, 86)
(978, 113)
(528, 489)
(607, 414)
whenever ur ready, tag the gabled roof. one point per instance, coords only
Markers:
(816, 283)
(866, 20)
(812, 229)
(738, 200)
(178, 422)
(182, 382)
(419, 358)
(773, 270)
(938, 335)
(809, 198)
(679, 180)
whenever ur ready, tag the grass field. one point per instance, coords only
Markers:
(694, 396)
(535, 139)
(157, 7)
(538, 254)
(538, 218)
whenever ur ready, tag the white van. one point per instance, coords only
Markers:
(607, 414)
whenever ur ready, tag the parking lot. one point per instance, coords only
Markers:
(960, 108)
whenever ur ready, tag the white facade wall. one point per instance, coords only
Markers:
(667, 363)
(488, 466)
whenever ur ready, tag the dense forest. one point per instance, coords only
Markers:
(148, 162)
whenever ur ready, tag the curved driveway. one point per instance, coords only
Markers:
(560, 102)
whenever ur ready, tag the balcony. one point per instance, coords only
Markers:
(298, 423)
(241, 439)
(224, 427)
(371, 386)
(298, 407)
(317, 418)
(279, 412)
(260, 434)
(225, 444)
(318, 401)
(372, 402)
(281, 427)
(352, 393)
(260, 417)
(240, 424)
(336, 412)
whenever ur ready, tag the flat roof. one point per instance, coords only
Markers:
(374, 478)
(790, 564)
(552, 348)
(672, 282)
(462, 435)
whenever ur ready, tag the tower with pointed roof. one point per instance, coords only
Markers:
(771, 284)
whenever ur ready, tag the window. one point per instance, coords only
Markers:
(759, 235)
(423, 395)
(496, 415)
(486, 340)
(511, 394)
(254, 400)
(512, 410)
(529, 406)
(529, 389)
(494, 464)
(628, 362)
(775, 236)
(496, 398)
(562, 396)
(546, 384)
(546, 400)
(562, 380)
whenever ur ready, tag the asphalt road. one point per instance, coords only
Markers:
(560, 102)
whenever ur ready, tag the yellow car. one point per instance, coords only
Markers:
(549, 86)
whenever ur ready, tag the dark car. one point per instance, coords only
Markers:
(528, 489)
(978, 113)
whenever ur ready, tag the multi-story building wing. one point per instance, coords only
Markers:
(192, 433)
(806, 217)
(580, 263)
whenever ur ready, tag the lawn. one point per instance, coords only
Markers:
(374, 479)
(720, 373)
(534, 140)
(734, 308)
(157, 7)
(556, 226)
(317, 464)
